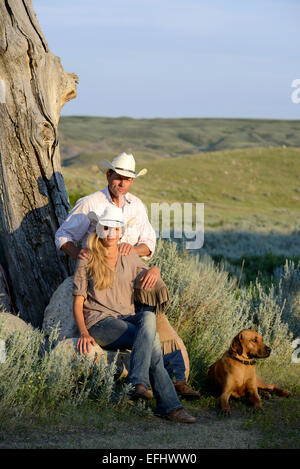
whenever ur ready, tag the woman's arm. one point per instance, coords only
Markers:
(85, 339)
(150, 277)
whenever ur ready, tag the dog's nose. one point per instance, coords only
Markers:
(268, 350)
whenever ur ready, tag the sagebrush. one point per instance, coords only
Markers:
(208, 307)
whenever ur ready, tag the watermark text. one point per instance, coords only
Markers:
(295, 96)
(188, 222)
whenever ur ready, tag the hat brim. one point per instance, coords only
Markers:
(112, 223)
(104, 165)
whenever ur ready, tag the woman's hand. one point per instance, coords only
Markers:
(84, 342)
(149, 279)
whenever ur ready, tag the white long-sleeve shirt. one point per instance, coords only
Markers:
(77, 226)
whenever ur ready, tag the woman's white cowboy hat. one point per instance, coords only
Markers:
(112, 217)
(123, 164)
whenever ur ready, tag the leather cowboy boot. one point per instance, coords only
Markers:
(180, 415)
(185, 391)
(140, 392)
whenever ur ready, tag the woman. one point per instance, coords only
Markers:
(105, 312)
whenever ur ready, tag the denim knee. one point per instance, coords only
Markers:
(148, 318)
(156, 344)
(156, 350)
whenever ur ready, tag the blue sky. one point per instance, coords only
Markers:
(177, 58)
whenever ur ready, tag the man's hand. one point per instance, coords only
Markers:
(84, 343)
(142, 250)
(84, 254)
(149, 279)
(126, 248)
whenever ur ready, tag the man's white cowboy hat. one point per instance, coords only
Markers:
(123, 164)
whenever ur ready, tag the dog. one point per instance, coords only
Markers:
(234, 374)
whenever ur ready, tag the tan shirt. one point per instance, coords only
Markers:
(118, 299)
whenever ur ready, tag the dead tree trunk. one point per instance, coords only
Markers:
(33, 198)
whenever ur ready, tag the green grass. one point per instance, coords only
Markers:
(279, 424)
(257, 188)
(252, 268)
(245, 171)
(85, 138)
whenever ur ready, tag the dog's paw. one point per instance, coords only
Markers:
(283, 393)
(224, 413)
(265, 394)
(257, 409)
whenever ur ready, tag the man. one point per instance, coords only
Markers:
(138, 235)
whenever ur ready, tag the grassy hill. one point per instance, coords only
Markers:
(258, 187)
(84, 140)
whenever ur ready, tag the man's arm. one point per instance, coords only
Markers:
(70, 249)
(74, 227)
(142, 250)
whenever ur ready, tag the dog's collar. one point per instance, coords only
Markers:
(245, 362)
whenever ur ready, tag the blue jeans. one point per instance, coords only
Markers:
(175, 366)
(138, 333)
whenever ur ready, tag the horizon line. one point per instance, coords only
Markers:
(181, 118)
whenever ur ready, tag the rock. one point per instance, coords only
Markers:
(60, 312)
(10, 323)
(70, 345)
(96, 353)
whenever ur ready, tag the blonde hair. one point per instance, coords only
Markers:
(101, 272)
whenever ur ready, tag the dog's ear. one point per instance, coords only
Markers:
(236, 346)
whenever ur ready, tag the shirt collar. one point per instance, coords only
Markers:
(108, 196)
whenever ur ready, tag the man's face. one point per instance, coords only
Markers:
(118, 185)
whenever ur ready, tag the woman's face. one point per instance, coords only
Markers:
(109, 236)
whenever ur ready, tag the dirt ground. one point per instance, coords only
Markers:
(209, 431)
(136, 427)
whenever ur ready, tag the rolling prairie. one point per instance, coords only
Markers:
(243, 182)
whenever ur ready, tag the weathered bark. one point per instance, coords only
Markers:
(4, 297)
(33, 198)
